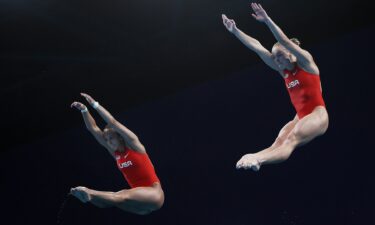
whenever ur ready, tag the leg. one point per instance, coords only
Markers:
(252, 159)
(283, 134)
(306, 129)
(84, 194)
(141, 200)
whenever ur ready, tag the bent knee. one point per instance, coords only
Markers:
(148, 204)
(325, 126)
(283, 156)
(308, 134)
(322, 123)
(150, 208)
(158, 201)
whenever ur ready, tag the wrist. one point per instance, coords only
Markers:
(84, 110)
(235, 31)
(95, 105)
(267, 20)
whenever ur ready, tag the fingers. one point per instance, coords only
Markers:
(229, 24)
(88, 98)
(255, 6)
(78, 105)
(226, 20)
(74, 104)
(86, 95)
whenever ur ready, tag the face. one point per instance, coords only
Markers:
(282, 57)
(112, 138)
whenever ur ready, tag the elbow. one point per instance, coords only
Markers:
(92, 129)
(133, 139)
(112, 122)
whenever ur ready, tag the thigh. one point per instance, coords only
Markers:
(311, 126)
(142, 198)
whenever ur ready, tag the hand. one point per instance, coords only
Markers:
(248, 161)
(88, 98)
(229, 24)
(259, 13)
(78, 105)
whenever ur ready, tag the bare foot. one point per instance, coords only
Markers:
(248, 161)
(82, 193)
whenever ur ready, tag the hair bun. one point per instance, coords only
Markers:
(296, 41)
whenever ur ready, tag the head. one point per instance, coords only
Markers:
(113, 139)
(282, 57)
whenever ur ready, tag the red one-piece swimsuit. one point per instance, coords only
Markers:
(136, 167)
(304, 90)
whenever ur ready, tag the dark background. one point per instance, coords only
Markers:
(198, 100)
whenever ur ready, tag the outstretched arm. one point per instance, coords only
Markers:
(302, 55)
(130, 138)
(249, 42)
(91, 124)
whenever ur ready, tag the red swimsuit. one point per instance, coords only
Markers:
(136, 167)
(304, 91)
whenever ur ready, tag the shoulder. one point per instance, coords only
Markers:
(309, 67)
(139, 149)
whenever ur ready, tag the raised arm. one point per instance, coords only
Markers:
(91, 124)
(250, 42)
(303, 57)
(129, 137)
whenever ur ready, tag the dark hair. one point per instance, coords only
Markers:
(294, 40)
